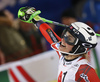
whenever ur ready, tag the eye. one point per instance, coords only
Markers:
(70, 39)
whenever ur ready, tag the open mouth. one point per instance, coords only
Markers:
(62, 45)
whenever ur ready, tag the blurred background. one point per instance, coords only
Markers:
(20, 40)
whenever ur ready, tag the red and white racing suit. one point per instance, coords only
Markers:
(77, 70)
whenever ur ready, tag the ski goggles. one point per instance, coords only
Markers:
(69, 37)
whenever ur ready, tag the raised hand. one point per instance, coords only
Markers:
(29, 14)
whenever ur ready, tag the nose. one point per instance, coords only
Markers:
(63, 41)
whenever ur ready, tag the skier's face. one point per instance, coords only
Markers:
(65, 47)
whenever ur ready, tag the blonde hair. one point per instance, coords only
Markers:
(86, 56)
(68, 57)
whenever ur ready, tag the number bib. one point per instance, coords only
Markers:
(68, 69)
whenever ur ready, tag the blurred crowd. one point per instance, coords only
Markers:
(20, 40)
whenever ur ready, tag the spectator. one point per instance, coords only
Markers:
(2, 58)
(90, 14)
(78, 7)
(68, 16)
(31, 36)
(12, 43)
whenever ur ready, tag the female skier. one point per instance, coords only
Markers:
(76, 41)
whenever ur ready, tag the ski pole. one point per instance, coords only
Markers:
(59, 24)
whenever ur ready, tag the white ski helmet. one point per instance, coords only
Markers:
(85, 37)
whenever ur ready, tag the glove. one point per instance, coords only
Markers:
(29, 14)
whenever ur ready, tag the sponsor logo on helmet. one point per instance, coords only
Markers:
(71, 27)
(90, 38)
(90, 33)
(76, 31)
(87, 45)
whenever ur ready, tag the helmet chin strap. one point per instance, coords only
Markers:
(73, 52)
(75, 49)
(64, 54)
(78, 49)
(57, 49)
